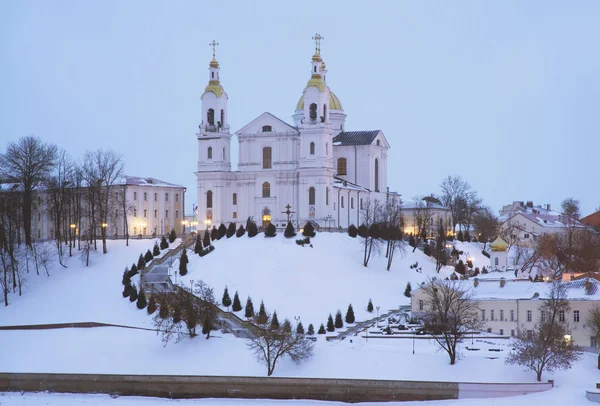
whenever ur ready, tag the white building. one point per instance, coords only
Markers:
(322, 171)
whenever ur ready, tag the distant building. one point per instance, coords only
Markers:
(434, 211)
(592, 220)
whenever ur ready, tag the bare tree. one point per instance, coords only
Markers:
(392, 231)
(124, 206)
(593, 321)
(27, 162)
(269, 344)
(459, 197)
(451, 311)
(547, 347)
(422, 219)
(440, 246)
(570, 208)
(371, 214)
(45, 256)
(510, 233)
(485, 224)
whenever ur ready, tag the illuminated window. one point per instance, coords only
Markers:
(266, 189)
(342, 166)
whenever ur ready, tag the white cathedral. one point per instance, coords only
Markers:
(316, 167)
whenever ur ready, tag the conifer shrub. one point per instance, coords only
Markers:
(148, 257)
(214, 233)
(251, 228)
(300, 329)
(249, 309)
(126, 279)
(156, 249)
(339, 323)
(206, 240)
(407, 290)
(350, 315)
(236, 306)
(363, 231)
(286, 327)
(311, 330)
(303, 241)
(289, 230)
(183, 261)
(271, 230)
(207, 326)
(484, 270)
(467, 236)
(275, 322)
(262, 317)
(460, 267)
(321, 329)
(240, 231)
(485, 253)
(141, 264)
(172, 236)
(412, 242)
(460, 236)
(127, 289)
(330, 325)
(230, 230)
(133, 271)
(133, 293)
(370, 306)
(141, 299)
(352, 231)
(308, 230)
(198, 244)
(470, 264)
(221, 231)
(163, 243)
(151, 305)
(226, 300)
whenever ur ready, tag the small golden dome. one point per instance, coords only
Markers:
(334, 102)
(317, 57)
(214, 63)
(499, 245)
(215, 87)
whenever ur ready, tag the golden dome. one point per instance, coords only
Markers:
(334, 102)
(215, 87)
(214, 63)
(317, 58)
(499, 245)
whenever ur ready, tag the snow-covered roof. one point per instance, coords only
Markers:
(547, 220)
(414, 206)
(137, 181)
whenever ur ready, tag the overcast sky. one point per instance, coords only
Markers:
(504, 94)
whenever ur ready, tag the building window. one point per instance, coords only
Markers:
(421, 305)
(311, 195)
(234, 199)
(166, 197)
(376, 175)
(134, 195)
(561, 315)
(501, 332)
(378, 143)
(266, 189)
(176, 214)
(166, 214)
(501, 315)
(326, 148)
(155, 197)
(529, 315)
(267, 129)
(267, 158)
(145, 212)
(483, 314)
(526, 236)
(327, 196)
(576, 316)
(223, 153)
(134, 212)
(176, 197)
(312, 148)
(222, 117)
(209, 199)
(512, 315)
(361, 205)
(210, 117)
(342, 202)
(351, 202)
(209, 153)
(496, 261)
(342, 167)
(145, 196)
(512, 333)
(492, 315)
(312, 111)
(489, 330)
(234, 214)
(543, 315)
(155, 213)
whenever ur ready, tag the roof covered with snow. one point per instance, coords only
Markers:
(137, 181)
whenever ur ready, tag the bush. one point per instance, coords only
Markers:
(249, 309)
(262, 314)
(141, 264)
(388, 330)
(240, 231)
(127, 289)
(339, 323)
(156, 249)
(151, 305)
(321, 329)
(214, 233)
(460, 236)
(311, 330)
(222, 231)
(467, 236)
(251, 228)
(141, 299)
(350, 315)
(363, 231)
(412, 242)
(289, 230)
(308, 230)
(300, 329)
(275, 322)
(148, 257)
(236, 306)
(126, 279)
(172, 236)
(206, 240)
(352, 231)
(163, 311)
(198, 245)
(207, 250)
(163, 243)
(460, 267)
(485, 253)
(484, 270)
(176, 315)
(133, 271)
(230, 230)
(407, 290)
(226, 300)
(427, 249)
(271, 230)
(370, 306)
(330, 325)
(133, 293)
(470, 264)
(303, 241)
(183, 261)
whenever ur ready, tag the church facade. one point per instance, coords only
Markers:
(315, 168)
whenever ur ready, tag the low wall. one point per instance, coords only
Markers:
(344, 390)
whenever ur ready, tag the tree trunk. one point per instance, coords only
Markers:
(27, 216)
(539, 376)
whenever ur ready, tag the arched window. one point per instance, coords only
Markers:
(267, 129)
(314, 69)
(342, 166)
(210, 116)
(312, 148)
(209, 153)
(327, 196)
(313, 111)
(267, 158)
(209, 199)
(311, 195)
(376, 175)
(223, 153)
(234, 199)
(212, 75)
(222, 117)
(378, 143)
(266, 189)
(324, 113)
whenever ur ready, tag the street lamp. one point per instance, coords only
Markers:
(377, 307)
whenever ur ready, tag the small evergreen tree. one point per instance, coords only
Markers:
(126, 279)
(141, 264)
(289, 230)
(262, 314)
(134, 270)
(286, 327)
(172, 236)
(151, 305)
(460, 236)
(412, 242)
(183, 261)
(460, 267)
(240, 231)
(221, 231)
(363, 231)
(407, 290)
(226, 300)
(156, 249)
(271, 230)
(330, 325)
(251, 228)
(214, 233)
(308, 230)
(207, 327)
(339, 323)
(230, 230)
(321, 329)
(141, 299)
(467, 236)
(300, 329)
(311, 330)
(275, 322)
(206, 240)
(198, 245)
(370, 306)
(249, 309)
(352, 231)
(350, 315)
(484, 270)
(148, 257)
(236, 306)
(133, 293)
(163, 243)
(127, 289)
(470, 264)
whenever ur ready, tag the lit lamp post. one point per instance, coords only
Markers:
(71, 236)
(184, 223)
(207, 222)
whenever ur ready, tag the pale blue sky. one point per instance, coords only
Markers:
(503, 93)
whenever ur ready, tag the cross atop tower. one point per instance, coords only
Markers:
(288, 212)
(214, 45)
(317, 37)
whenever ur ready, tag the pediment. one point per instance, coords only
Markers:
(264, 123)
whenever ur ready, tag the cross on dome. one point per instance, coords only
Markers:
(317, 38)
(214, 45)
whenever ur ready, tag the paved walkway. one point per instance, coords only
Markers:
(363, 325)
